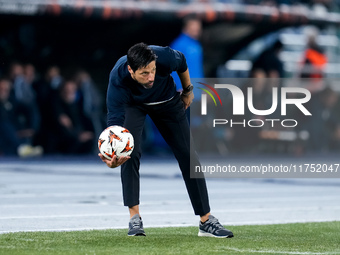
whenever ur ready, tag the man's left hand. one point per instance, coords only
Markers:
(115, 161)
(187, 99)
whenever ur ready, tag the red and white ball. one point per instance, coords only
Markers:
(115, 140)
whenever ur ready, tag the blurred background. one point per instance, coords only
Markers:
(56, 56)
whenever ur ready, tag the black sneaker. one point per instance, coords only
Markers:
(213, 228)
(136, 226)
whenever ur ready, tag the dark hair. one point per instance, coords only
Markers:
(188, 19)
(140, 55)
(278, 45)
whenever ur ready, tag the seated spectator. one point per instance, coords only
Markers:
(73, 130)
(17, 124)
(23, 89)
(22, 78)
(46, 90)
(91, 100)
(48, 85)
(269, 62)
(314, 59)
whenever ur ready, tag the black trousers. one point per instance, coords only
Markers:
(172, 123)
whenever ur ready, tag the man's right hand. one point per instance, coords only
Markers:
(187, 99)
(115, 161)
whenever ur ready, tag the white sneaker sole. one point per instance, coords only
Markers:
(206, 234)
(138, 234)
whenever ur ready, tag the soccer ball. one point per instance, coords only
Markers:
(115, 140)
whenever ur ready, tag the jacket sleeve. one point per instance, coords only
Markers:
(117, 99)
(178, 61)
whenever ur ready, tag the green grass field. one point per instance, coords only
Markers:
(299, 238)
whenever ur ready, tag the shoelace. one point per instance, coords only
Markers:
(215, 223)
(135, 224)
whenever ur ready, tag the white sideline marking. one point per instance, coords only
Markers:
(161, 226)
(276, 252)
(98, 228)
(172, 212)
